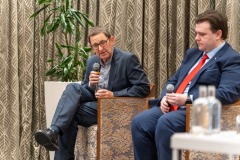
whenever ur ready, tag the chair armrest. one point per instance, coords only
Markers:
(152, 90)
(228, 116)
(114, 137)
(188, 113)
(228, 122)
(114, 126)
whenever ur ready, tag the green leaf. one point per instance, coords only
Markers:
(81, 64)
(82, 50)
(85, 56)
(67, 5)
(53, 26)
(50, 72)
(45, 24)
(50, 60)
(55, 9)
(78, 18)
(65, 72)
(60, 53)
(70, 27)
(63, 21)
(67, 60)
(68, 46)
(87, 20)
(78, 35)
(44, 1)
(74, 10)
(38, 11)
(87, 49)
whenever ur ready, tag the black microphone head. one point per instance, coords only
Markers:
(170, 88)
(96, 67)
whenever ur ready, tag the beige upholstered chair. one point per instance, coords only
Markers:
(228, 122)
(111, 138)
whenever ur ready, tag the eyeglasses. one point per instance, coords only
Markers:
(102, 44)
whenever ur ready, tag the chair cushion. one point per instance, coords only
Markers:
(86, 143)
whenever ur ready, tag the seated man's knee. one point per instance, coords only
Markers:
(74, 86)
(163, 124)
(134, 122)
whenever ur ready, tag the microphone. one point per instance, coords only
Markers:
(96, 68)
(170, 89)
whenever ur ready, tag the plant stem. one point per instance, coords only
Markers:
(67, 43)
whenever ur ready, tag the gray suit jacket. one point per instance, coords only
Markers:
(126, 77)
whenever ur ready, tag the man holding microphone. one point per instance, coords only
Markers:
(213, 62)
(109, 73)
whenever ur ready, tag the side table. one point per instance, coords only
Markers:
(226, 142)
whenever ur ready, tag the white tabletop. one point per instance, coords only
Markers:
(227, 142)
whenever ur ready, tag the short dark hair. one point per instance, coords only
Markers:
(96, 30)
(217, 20)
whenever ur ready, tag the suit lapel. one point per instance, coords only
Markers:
(209, 63)
(193, 58)
(114, 65)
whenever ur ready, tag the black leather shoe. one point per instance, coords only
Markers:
(47, 138)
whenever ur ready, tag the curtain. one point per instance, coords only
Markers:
(21, 83)
(157, 31)
(160, 32)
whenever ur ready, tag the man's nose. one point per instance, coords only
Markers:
(100, 47)
(197, 37)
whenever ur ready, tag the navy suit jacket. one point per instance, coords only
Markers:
(222, 71)
(126, 77)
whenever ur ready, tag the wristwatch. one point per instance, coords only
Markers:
(189, 100)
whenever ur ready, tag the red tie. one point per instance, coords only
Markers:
(189, 77)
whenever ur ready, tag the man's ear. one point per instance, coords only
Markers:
(219, 34)
(112, 39)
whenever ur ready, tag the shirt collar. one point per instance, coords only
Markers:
(215, 50)
(108, 62)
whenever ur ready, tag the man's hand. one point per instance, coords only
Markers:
(164, 105)
(103, 93)
(94, 78)
(176, 99)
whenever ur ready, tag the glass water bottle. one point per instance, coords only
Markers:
(215, 107)
(200, 112)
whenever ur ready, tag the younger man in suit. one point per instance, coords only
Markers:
(120, 75)
(152, 129)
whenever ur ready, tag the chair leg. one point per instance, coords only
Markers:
(187, 126)
(186, 155)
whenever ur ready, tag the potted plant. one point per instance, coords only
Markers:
(60, 15)
(71, 56)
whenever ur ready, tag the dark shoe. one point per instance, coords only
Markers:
(47, 138)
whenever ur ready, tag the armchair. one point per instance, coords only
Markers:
(228, 122)
(111, 137)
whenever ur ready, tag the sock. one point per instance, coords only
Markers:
(56, 129)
